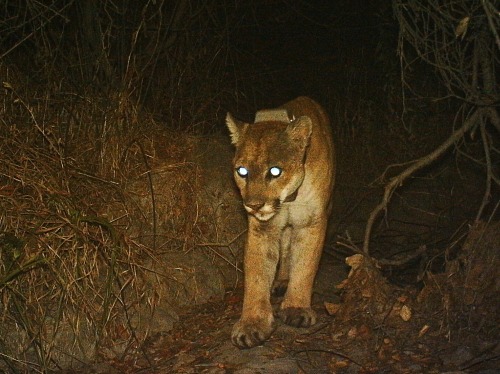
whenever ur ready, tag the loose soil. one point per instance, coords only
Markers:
(365, 325)
(435, 314)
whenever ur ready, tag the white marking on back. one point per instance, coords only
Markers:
(280, 115)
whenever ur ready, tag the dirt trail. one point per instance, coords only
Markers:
(365, 336)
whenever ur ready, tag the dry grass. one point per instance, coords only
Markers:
(79, 269)
(465, 297)
(65, 270)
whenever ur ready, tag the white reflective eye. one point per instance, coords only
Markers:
(242, 172)
(275, 171)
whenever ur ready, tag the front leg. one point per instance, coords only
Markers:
(261, 257)
(306, 247)
(281, 281)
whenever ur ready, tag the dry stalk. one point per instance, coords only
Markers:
(213, 246)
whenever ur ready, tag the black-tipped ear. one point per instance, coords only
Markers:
(300, 131)
(235, 127)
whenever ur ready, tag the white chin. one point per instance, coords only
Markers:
(264, 214)
(263, 217)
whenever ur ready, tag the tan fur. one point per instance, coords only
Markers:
(287, 214)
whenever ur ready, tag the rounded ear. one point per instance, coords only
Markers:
(235, 128)
(300, 131)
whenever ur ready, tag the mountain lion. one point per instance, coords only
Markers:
(284, 169)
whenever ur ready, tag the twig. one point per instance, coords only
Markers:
(222, 244)
(226, 259)
(92, 176)
(347, 242)
(488, 9)
(403, 260)
(332, 352)
(479, 358)
(495, 119)
(45, 22)
(152, 192)
(489, 172)
(418, 164)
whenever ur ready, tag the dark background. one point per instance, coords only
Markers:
(396, 78)
(117, 205)
(195, 60)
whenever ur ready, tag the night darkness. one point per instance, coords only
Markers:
(311, 48)
(122, 231)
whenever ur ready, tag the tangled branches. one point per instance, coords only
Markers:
(460, 40)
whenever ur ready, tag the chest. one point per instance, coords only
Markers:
(299, 214)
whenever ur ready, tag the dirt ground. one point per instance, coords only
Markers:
(438, 314)
(121, 230)
(435, 314)
(365, 325)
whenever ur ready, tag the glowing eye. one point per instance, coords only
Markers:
(275, 171)
(242, 172)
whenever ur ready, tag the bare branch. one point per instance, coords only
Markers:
(491, 12)
(398, 180)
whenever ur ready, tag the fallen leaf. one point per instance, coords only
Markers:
(405, 313)
(332, 308)
(423, 330)
(354, 261)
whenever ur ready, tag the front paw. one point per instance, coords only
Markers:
(250, 333)
(298, 317)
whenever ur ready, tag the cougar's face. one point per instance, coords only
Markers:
(268, 168)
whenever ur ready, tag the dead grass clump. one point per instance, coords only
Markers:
(467, 295)
(104, 231)
(66, 275)
(365, 289)
(377, 322)
(374, 319)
